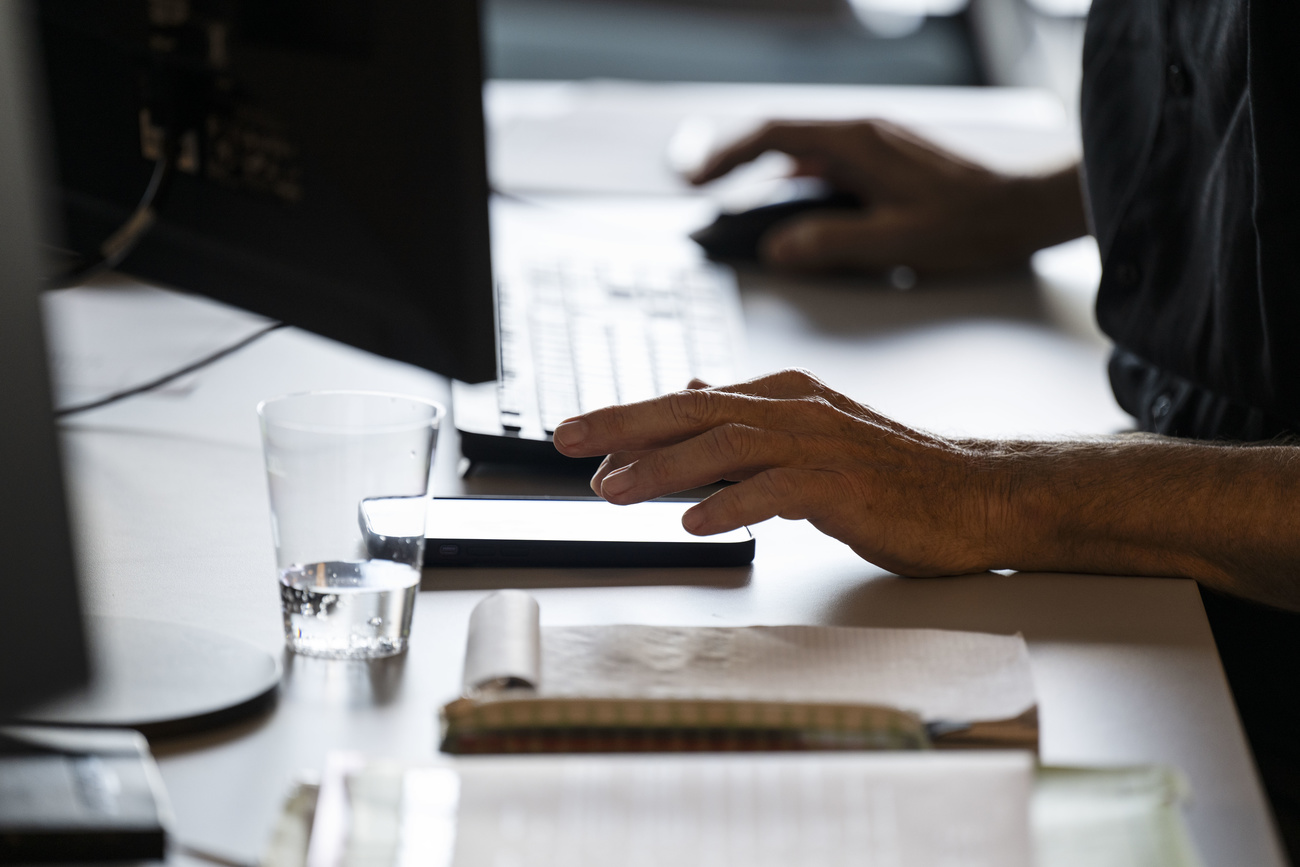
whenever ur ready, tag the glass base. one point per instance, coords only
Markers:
(359, 649)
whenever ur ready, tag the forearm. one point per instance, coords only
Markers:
(1225, 515)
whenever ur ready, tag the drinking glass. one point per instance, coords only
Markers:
(348, 473)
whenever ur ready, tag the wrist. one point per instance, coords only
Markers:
(1073, 507)
(1045, 209)
(1031, 519)
(999, 480)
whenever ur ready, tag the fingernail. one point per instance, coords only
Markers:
(570, 434)
(692, 521)
(617, 482)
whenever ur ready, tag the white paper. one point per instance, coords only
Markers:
(502, 647)
(938, 674)
(890, 810)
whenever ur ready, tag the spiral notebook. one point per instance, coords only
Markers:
(631, 688)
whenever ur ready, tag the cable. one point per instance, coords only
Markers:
(66, 411)
(126, 236)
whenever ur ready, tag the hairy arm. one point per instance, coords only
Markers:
(1227, 515)
(916, 504)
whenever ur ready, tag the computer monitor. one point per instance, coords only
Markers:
(325, 161)
(150, 675)
(42, 643)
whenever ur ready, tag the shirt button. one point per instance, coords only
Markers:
(1127, 274)
(1160, 406)
(1176, 79)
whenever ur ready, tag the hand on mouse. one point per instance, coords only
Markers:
(907, 501)
(926, 208)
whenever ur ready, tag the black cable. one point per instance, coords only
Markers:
(66, 411)
(123, 240)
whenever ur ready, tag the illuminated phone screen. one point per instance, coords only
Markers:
(569, 520)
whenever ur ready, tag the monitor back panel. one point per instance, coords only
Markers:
(330, 167)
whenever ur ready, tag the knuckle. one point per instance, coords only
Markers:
(766, 385)
(804, 379)
(733, 441)
(779, 485)
(614, 421)
(691, 408)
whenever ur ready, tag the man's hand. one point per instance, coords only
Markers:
(1225, 514)
(924, 207)
(907, 501)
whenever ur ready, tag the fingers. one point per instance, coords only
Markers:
(665, 420)
(618, 460)
(778, 492)
(784, 384)
(611, 463)
(764, 402)
(867, 156)
(745, 150)
(811, 144)
(727, 451)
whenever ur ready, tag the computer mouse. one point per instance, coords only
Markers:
(735, 237)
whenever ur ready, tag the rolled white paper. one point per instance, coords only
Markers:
(504, 647)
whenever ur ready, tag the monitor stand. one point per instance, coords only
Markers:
(163, 679)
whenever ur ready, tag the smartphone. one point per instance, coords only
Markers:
(479, 531)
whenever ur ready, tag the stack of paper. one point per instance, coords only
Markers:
(892, 810)
(898, 810)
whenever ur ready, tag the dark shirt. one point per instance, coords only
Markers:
(1191, 128)
(1191, 120)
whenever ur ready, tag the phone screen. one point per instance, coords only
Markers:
(543, 520)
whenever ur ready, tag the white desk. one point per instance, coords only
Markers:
(171, 509)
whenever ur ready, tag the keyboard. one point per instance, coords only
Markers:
(576, 336)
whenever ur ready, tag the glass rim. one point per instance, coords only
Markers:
(435, 421)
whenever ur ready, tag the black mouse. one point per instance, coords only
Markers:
(735, 237)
